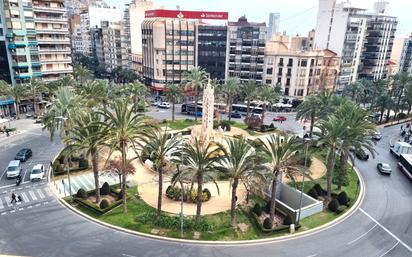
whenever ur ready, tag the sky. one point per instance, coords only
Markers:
(297, 16)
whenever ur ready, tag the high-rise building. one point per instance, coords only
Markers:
(171, 45)
(137, 11)
(273, 28)
(405, 64)
(246, 51)
(299, 72)
(5, 58)
(116, 51)
(363, 40)
(211, 50)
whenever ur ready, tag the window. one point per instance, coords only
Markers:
(268, 81)
(269, 71)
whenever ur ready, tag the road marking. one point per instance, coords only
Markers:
(29, 207)
(1, 204)
(314, 255)
(385, 253)
(3, 213)
(25, 198)
(128, 255)
(8, 201)
(37, 205)
(40, 193)
(33, 196)
(387, 231)
(13, 211)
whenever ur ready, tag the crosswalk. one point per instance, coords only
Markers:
(30, 196)
(85, 181)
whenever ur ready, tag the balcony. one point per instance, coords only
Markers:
(59, 60)
(49, 20)
(64, 31)
(54, 51)
(48, 9)
(60, 71)
(53, 41)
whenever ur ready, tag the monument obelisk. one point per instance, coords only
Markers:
(208, 112)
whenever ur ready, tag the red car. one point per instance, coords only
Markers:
(280, 118)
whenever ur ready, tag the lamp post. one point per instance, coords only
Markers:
(303, 182)
(68, 160)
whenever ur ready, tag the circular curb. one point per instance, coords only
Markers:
(309, 232)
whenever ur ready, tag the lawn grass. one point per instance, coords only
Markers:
(180, 124)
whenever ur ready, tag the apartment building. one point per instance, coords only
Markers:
(405, 64)
(52, 33)
(169, 39)
(5, 58)
(297, 72)
(363, 40)
(274, 22)
(116, 50)
(247, 41)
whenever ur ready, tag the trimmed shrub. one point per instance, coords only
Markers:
(81, 193)
(272, 126)
(105, 190)
(288, 220)
(267, 224)
(83, 164)
(267, 207)
(343, 198)
(225, 125)
(333, 205)
(168, 191)
(57, 168)
(120, 195)
(104, 204)
(313, 193)
(319, 189)
(257, 209)
(207, 193)
(263, 128)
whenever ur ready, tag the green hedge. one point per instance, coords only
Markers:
(96, 208)
(280, 228)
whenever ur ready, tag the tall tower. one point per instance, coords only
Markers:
(274, 20)
(137, 15)
(208, 111)
(324, 23)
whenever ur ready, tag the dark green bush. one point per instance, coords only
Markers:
(288, 220)
(104, 204)
(267, 207)
(313, 193)
(83, 164)
(207, 193)
(319, 189)
(173, 222)
(263, 128)
(120, 195)
(343, 198)
(225, 125)
(333, 205)
(257, 209)
(81, 193)
(272, 126)
(267, 224)
(105, 190)
(57, 168)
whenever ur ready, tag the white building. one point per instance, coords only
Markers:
(137, 16)
(273, 28)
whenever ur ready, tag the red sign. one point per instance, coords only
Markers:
(187, 14)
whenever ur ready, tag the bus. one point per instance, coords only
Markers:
(242, 109)
(405, 165)
(190, 108)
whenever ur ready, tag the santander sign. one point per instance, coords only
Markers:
(186, 14)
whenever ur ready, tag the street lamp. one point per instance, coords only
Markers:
(68, 160)
(303, 181)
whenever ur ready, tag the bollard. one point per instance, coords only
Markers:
(292, 228)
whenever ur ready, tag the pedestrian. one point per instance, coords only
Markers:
(13, 198)
(20, 198)
(401, 127)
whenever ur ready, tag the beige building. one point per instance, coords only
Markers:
(298, 72)
(52, 34)
(115, 45)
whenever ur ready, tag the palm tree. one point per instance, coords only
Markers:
(400, 81)
(250, 93)
(238, 163)
(138, 92)
(122, 128)
(173, 94)
(384, 102)
(309, 109)
(81, 73)
(199, 157)
(159, 147)
(35, 87)
(331, 132)
(357, 135)
(355, 91)
(195, 80)
(268, 95)
(16, 92)
(231, 90)
(408, 97)
(86, 137)
(282, 154)
(95, 93)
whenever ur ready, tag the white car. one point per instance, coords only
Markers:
(164, 105)
(377, 136)
(37, 173)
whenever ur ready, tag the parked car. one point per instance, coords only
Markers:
(362, 155)
(280, 118)
(13, 169)
(377, 136)
(37, 173)
(164, 105)
(384, 168)
(236, 115)
(24, 154)
(156, 104)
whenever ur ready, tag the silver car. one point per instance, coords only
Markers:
(384, 168)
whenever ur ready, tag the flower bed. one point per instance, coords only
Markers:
(175, 193)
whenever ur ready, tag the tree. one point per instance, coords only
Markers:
(231, 90)
(309, 109)
(16, 92)
(268, 95)
(173, 94)
(355, 91)
(159, 147)
(199, 158)
(95, 93)
(35, 87)
(250, 93)
(384, 102)
(86, 136)
(238, 163)
(408, 96)
(81, 74)
(357, 135)
(137, 92)
(331, 132)
(195, 80)
(122, 129)
(401, 80)
(281, 153)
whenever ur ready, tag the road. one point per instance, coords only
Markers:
(381, 227)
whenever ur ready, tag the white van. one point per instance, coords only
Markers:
(14, 169)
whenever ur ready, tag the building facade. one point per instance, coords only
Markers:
(170, 45)
(405, 64)
(5, 58)
(297, 72)
(211, 50)
(115, 45)
(363, 40)
(246, 50)
(273, 25)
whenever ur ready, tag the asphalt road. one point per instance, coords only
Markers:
(381, 227)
